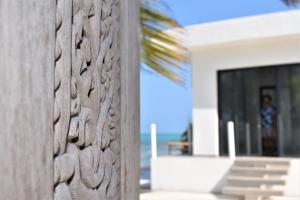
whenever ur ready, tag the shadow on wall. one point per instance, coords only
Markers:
(222, 182)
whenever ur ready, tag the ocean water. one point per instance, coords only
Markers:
(162, 149)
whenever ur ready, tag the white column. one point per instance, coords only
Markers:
(231, 140)
(153, 141)
(205, 132)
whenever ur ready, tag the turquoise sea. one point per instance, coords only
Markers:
(162, 149)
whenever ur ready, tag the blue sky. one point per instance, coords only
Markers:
(169, 105)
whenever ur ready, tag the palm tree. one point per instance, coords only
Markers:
(291, 2)
(161, 47)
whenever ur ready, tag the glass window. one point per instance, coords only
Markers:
(264, 105)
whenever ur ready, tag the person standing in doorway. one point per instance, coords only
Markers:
(268, 115)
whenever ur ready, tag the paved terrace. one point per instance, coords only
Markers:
(165, 195)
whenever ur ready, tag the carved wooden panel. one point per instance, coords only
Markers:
(87, 100)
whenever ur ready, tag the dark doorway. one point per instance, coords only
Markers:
(240, 98)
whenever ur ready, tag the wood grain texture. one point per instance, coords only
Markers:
(130, 98)
(26, 103)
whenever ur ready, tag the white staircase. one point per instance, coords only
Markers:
(257, 178)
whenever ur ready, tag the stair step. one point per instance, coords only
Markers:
(267, 180)
(279, 198)
(252, 191)
(261, 162)
(259, 170)
(257, 178)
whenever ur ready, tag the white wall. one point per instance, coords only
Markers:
(293, 179)
(191, 174)
(206, 61)
(244, 28)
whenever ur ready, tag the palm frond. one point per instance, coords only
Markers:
(291, 2)
(162, 46)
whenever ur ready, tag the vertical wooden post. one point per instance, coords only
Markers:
(69, 104)
(130, 97)
(27, 32)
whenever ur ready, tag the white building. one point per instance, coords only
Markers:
(235, 63)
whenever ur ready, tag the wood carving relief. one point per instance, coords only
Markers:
(87, 100)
